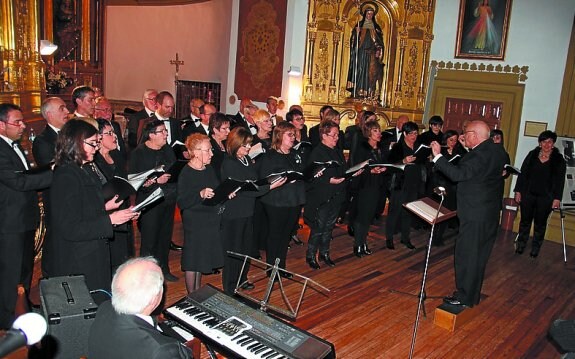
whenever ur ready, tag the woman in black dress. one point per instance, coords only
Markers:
(80, 220)
(112, 164)
(237, 219)
(367, 185)
(157, 220)
(539, 190)
(219, 128)
(324, 195)
(282, 206)
(203, 250)
(265, 127)
(406, 186)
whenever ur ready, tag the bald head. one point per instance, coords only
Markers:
(475, 133)
(137, 286)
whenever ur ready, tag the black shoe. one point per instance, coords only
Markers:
(286, 275)
(313, 264)
(350, 230)
(365, 250)
(247, 286)
(408, 244)
(327, 260)
(519, 250)
(296, 240)
(175, 247)
(339, 220)
(451, 300)
(170, 277)
(533, 254)
(389, 244)
(358, 252)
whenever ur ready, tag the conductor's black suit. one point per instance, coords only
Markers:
(479, 177)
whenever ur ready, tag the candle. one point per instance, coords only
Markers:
(74, 68)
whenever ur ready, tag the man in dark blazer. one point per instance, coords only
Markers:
(165, 110)
(19, 212)
(206, 111)
(479, 177)
(191, 121)
(244, 117)
(150, 105)
(55, 113)
(124, 328)
(104, 110)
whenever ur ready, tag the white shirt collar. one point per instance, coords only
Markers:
(57, 130)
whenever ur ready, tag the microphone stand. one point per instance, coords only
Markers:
(440, 191)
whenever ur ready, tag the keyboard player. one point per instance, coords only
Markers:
(124, 327)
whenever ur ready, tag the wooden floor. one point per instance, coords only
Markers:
(364, 319)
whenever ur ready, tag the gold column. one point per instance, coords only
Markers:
(48, 21)
(86, 43)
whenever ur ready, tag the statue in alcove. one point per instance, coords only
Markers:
(66, 29)
(366, 65)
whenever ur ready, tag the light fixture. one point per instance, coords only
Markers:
(294, 71)
(47, 48)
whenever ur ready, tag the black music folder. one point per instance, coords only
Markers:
(302, 145)
(152, 198)
(353, 170)
(175, 169)
(274, 177)
(512, 170)
(179, 149)
(316, 167)
(226, 188)
(117, 186)
(398, 166)
(422, 152)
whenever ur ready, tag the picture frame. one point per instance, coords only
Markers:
(533, 128)
(482, 29)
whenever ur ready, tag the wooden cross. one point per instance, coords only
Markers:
(177, 62)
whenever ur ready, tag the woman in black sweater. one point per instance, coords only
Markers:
(157, 220)
(283, 205)
(539, 190)
(237, 220)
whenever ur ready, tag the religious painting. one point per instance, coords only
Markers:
(482, 29)
(67, 29)
(367, 49)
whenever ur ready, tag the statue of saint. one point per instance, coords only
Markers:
(366, 56)
(66, 30)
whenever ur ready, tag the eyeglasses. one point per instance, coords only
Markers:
(153, 99)
(335, 135)
(290, 134)
(108, 133)
(94, 145)
(161, 131)
(247, 145)
(466, 132)
(17, 123)
(208, 150)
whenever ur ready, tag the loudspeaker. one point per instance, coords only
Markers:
(563, 333)
(69, 310)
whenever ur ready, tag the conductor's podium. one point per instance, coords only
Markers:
(452, 317)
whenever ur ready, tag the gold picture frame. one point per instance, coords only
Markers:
(533, 128)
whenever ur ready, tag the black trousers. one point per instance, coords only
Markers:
(398, 216)
(156, 228)
(472, 251)
(281, 224)
(237, 236)
(367, 201)
(534, 209)
(16, 266)
(321, 225)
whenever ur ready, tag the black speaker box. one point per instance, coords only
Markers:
(69, 310)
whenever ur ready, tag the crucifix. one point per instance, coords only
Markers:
(177, 62)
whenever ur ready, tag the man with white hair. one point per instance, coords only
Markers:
(150, 106)
(124, 328)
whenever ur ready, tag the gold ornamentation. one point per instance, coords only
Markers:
(520, 71)
(259, 42)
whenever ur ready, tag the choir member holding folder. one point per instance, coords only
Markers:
(203, 251)
(157, 220)
(282, 206)
(81, 222)
(367, 185)
(406, 186)
(237, 221)
(325, 193)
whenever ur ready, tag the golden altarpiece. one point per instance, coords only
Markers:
(406, 32)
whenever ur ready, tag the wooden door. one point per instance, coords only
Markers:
(458, 111)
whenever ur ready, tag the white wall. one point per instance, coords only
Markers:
(538, 37)
(141, 41)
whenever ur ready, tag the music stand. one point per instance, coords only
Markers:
(428, 210)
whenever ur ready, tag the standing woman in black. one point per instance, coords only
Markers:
(406, 186)
(237, 219)
(203, 250)
(282, 206)
(265, 126)
(539, 190)
(324, 195)
(219, 128)
(81, 221)
(157, 220)
(367, 185)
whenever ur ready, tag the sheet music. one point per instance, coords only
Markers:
(424, 210)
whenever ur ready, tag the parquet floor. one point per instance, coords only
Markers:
(364, 319)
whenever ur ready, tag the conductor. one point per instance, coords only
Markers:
(479, 177)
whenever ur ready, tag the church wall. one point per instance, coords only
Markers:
(538, 37)
(141, 40)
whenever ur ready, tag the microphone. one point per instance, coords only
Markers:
(27, 329)
(439, 191)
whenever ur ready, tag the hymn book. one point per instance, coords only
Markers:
(426, 209)
(228, 187)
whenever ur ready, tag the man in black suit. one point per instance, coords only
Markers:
(164, 111)
(103, 109)
(55, 113)
(192, 121)
(206, 111)
(479, 177)
(150, 106)
(83, 98)
(272, 106)
(314, 130)
(244, 117)
(124, 327)
(19, 212)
